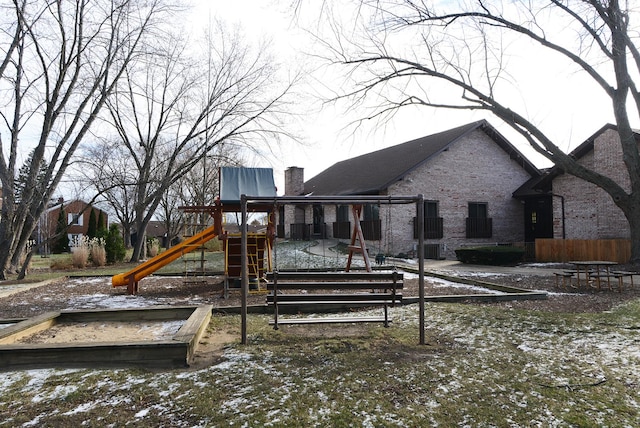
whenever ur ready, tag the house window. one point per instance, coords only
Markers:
(371, 224)
(478, 210)
(479, 225)
(342, 213)
(318, 221)
(430, 209)
(74, 219)
(371, 212)
(342, 226)
(281, 215)
(432, 222)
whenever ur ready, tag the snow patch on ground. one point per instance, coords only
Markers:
(589, 355)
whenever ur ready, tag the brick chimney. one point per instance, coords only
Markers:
(294, 181)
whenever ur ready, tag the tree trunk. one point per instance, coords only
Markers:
(139, 252)
(25, 264)
(634, 225)
(5, 258)
(6, 245)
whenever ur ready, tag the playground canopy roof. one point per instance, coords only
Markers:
(235, 182)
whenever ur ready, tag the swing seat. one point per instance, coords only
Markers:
(326, 320)
(344, 291)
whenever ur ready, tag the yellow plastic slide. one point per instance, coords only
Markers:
(153, 264)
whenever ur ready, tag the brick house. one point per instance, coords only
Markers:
(77, 215)
(467, 175)
(582, 210)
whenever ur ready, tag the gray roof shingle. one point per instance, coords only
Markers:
(372, 173)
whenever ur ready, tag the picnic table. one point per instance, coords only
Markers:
(596, 270)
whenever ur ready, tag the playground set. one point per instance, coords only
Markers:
(258, 181)
(235, 182)
(248, 256)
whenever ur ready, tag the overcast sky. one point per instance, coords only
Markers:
(570, 118)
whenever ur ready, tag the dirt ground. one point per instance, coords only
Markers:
(89, 293)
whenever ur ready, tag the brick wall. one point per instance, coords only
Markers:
(590, 213)
(293, 186)
(71, 208)
(474, 169)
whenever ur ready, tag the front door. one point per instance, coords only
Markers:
(538, 218)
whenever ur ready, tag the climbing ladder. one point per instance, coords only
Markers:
(258, 261)
(194, 260)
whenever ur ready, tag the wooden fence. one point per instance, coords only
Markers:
(563, 250)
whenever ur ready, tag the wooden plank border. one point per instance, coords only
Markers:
(175, 352)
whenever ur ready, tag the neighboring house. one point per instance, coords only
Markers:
(467, 176)
(582, 210)
(158, 230)
(77, 214)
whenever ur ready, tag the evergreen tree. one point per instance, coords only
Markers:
(114, 245)
(101, 227)
(92, 227)
(23, 173)
(61, 240)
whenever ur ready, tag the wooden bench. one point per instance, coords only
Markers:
(565, 276)
(625, 274)
(599, 276)
(314, 291)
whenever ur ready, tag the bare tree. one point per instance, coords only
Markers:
(173, 109)
(61, 61)
(460, 56)
(105, 167)
(199, 187)
(170, 214)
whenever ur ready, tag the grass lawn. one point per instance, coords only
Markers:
(59, 265)
(483, 366)
(288, 255)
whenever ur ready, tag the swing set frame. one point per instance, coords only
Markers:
(248, 203)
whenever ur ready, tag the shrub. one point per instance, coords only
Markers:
(214, 245)
(80, 253)
(497, 255)
(61, 263)
(97, 252)
(153, 247)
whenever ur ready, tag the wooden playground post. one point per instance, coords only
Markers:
(420, 220)
(244, 264)
(356, 210)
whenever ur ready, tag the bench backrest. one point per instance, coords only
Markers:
(335, 276)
